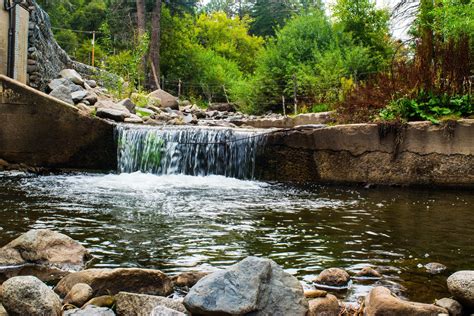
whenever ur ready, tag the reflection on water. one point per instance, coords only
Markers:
(177, 223)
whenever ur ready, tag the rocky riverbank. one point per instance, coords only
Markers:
(253, 286)
(161, 108)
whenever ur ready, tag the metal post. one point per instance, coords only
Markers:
(179, 88)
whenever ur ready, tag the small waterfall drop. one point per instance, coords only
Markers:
(197, 151)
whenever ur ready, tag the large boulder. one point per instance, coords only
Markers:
(78, 96)
(27, 295)
(167, 100)
(333, 277)
(45, 247)
(381, 301)
(112, 281)
(254, 285)
(461, 286)
(324, 306)
(108, 104)
(453, 306)
(132, 304)
(72, 75)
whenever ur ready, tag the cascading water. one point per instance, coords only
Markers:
(197, 151)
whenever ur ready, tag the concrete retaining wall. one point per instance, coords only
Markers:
(38, 130)
(418, 154)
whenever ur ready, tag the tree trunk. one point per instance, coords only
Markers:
(155, 41)
(141, 18)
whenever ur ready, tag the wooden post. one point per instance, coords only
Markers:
(295, 99)
(283, 104)
(93, 48)
(179, 88)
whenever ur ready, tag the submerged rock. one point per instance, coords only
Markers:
(45, 247)
(132, 304)
(324, 306)
(461, 286)
(435, 267)
(27, 295)
(112, 281)
(333, 277)
(79, 294)
(254, 285)
(381, 301)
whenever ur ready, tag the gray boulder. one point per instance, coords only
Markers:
(90, 310)
(91, 83)
(167, 100)
(72, 75)
(62, 93)
(132, 304)
(78, 96)
(116, 115)
(461, 286)
(27, 295)
(107, 104)
(53, 84)
(254, 285)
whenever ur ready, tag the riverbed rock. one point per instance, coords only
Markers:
(62, 93)
(113, 281)
(132, 304)
(166, 100)
(78, 96)
(90, 310)
(254, 286)
(108, 104)
(101, 301)
(188, 279)
(453, 306)
(91, 83)
(45, 247)
(27, 295)
(79, 294)
(91, 97)
(333, 277)
(324, 306)
(133, 119)
(380, 301)
(222, 107)
(72, 75)
(116, 115)
(368, 272)
(53, 84)
(435, 267)
(461, 286)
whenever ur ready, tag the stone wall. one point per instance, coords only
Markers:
(418, 154)
(46, 58)
(38, 130)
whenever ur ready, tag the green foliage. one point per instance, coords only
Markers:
(430, 107)
(229, 38)
(310, 50)
(368, 25)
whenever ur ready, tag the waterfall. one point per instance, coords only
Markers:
(197, 151)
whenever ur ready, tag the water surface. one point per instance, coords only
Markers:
(177, 223)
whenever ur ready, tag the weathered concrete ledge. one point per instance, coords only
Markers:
(416, 154)
(39, 130)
